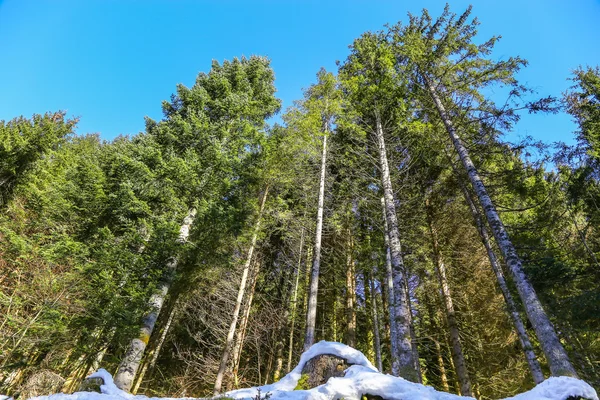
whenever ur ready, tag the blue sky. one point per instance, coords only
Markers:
(113, 62)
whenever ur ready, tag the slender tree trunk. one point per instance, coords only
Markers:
(241, 332)
(405, 356)
(350, 296)
(335, 311)
(557, 357)
(280, 331)
(375, 319)
(390, 291)
(413, 336)
(153, 355)
(240, 297)
(438, 349)
(278, 358)
(311, 312)
(534, 365)
(131, 362)
(294, 304)
(442, 368)
(457, 352)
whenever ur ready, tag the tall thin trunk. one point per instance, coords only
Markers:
(413, 336)
(350, 296)
(405, 356)
(241, 332)
(335, 311)
(278, 358)
(456, 346)
(269, 367)
(280, 331)
(131, 362)
(442, 368)
(457, 352)
(438, 348)
(390, 292)
(375, 319)
(557, 357)
(153, 355)
(534, 365)
(311, 312)
(294, 304)
(240, 297)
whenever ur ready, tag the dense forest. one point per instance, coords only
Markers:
(385, 210)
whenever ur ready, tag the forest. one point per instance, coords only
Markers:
(384, 210)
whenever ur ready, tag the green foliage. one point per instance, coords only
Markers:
(24, 141)
(88, 227)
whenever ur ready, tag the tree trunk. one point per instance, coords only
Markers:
(534, 365)
(375, 319)
(294, 305)
(240, 336)
(442, 368)
(438, 348)
(131, 362)
(405, 356)
(413, 336)
(241, 332)
(390, 290)
(240, 297)
(457, 352)
(350, 296)
(153, 355)
(311, 312)
(557, 357)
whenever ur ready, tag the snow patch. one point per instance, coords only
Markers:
(361, 378)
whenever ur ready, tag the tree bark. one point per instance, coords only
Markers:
(456, 347)
(534, 365)
(375, 319)
(241, 332)
(350, 296)
(311, 312)
(413, 336)
(405, 356)
(557, 357)
(294, 304)
(131, 362)
(149, 364)
(389, 280)
(438, 348)
(240, 297)
(442, 368)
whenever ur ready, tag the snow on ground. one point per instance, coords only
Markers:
(361, 378)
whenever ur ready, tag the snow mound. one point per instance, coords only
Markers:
(361, 378)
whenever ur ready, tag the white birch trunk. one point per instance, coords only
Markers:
(131, 362)
(311, 312)
(557, 357)
(240, 297)
(406, 356)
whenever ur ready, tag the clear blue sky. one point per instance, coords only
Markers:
(113, 62)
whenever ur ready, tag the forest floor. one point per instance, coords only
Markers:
(361, 379)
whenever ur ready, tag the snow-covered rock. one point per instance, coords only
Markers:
(361, 378)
